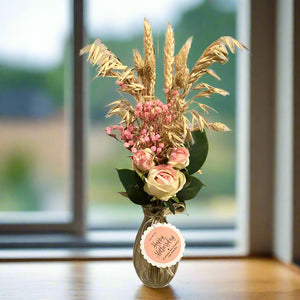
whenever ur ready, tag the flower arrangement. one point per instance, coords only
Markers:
(166, 139)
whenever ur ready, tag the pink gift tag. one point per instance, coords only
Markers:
(162, 245)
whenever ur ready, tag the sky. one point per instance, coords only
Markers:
(33, 32)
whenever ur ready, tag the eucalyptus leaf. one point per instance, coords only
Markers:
(134, 186)
(190, 189)
(198, 151)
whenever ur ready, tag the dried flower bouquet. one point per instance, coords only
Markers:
(167, 140)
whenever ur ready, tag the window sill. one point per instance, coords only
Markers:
(113, 244)
(10, 255)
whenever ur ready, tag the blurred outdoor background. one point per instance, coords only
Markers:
(35, 85)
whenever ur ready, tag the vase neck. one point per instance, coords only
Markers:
(155, 212)
(159, 211)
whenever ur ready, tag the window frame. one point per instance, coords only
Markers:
(78, 121)
(258, 173)
(286, 233)
(77, 227)
(78, 129)
(296, 137)
(262, 100)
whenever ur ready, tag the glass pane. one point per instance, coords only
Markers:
(121, 29)
(34, 116)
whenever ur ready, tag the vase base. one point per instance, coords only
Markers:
(155, 286)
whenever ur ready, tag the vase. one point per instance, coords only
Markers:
(150, 275)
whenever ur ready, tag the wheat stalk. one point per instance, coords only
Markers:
(218, 127)
(216, 52)
(109, 65)
(169, 58)
(138, 64)
(208, 90)
(182, 56)
(149, 59)
(182, 72)
(107, 62)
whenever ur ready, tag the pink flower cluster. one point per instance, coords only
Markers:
(127, 135)
(147, 134)
(150, 111)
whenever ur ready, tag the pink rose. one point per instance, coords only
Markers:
(179, 158)
(142, 161)
(163, 182)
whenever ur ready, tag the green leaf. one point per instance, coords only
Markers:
(134, 186)
(198, 151)
(170, 205)
(190, 189)
(187, 177)
(175, 199)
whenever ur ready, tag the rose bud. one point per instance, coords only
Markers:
(179, 158)
(142, 161)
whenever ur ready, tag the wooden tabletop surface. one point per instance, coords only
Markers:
(219, 279)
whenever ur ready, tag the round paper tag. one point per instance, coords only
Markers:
(162, 245)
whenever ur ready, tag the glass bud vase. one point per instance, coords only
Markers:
(150, 275)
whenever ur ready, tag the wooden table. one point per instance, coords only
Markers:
(219, 279)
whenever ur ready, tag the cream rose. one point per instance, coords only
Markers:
(179, 158)
(163, 182)
(142, 161)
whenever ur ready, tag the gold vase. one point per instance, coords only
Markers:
(150, 275)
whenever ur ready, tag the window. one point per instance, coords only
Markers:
(64, 195)
(35, 85)
(42, 187)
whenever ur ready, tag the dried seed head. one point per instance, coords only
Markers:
(182, 56)
(149, 60)
(169, 58)
(219, 127)
(138, 63)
